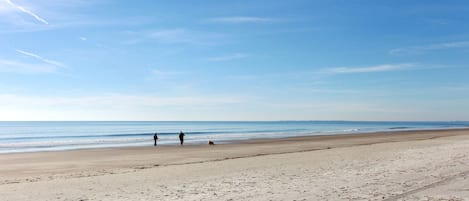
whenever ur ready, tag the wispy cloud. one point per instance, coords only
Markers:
(426, 48)
(372, 69)
(227, 57)
(24, 10)
(240, 19)
(12, 66)
(111, 106)
(60, 15)
(48, 61)
(174, 36)
(83, 38)
(15, 66)
(165, 74)
(121, 99)
(171, 35)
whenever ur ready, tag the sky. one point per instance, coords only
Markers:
(400, 60)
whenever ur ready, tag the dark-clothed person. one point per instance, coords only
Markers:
(181, 137)
(155, 137)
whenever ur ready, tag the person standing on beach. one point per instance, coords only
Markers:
(181, 138)
(155, 137)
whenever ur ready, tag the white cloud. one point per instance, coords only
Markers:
(83, 38)
(426, 48)
(60, 15)
(21, 67)
(174, 36)
(240, 19)
(24, 10)
(118, 100)
(48, 61)
(371, 69)
(227, 57)
(109, 107)
(5, 7)
(15, 66)
(164, 74)
(170, 35)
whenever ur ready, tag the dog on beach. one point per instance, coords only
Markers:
(210, 142)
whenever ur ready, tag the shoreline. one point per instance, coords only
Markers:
(330, 166)
(27, 137)
(196, 153)
(412, 134)
(250, 141)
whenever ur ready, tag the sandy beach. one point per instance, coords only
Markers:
(410, 165)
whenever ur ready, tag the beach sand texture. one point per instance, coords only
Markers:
(413, 165)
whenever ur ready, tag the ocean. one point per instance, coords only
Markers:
(55, 136)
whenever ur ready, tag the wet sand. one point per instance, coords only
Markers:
(411, 165)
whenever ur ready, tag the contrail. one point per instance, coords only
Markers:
(55, 63)
(27, 12)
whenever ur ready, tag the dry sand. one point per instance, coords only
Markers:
(417, 165)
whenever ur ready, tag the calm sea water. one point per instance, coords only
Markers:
(52, 136)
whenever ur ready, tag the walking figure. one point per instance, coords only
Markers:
(155, 137)
(181, 138)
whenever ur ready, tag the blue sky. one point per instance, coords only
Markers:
(234, 60)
